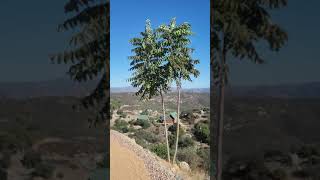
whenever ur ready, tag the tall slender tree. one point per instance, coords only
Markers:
(149, 74)
(179, 63)
(238, 28)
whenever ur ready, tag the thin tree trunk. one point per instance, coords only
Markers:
(220, 113)
(165, 126)
(178, 122)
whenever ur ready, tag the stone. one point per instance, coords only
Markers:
(184, 166)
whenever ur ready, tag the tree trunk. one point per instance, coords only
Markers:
(220, 113)
(178, 122)
(165, 126)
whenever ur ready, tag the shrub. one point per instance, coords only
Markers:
(160, 150)
(148, 136)
(43, 170)
(143, 123)
(141, 142)
(204, 154)
(123, 115)
(185, 141)
(31, 159)
(188, 117)
(119, 112)
(190, 156)
(173, 130)
(121, 125)
(202, 132)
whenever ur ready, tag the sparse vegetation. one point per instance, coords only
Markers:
(143, 123)
(121, 125)
(202, 132)
(160, 150)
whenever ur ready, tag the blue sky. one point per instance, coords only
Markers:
(28, 34)
(128, 20)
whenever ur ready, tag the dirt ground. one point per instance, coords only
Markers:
(125, 164)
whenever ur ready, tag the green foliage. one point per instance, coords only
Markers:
(146, 135)
(88, 52)
(185, 141)
(146, 63)
(202, 132)
(173, 130)
(175, 41)
(31, 159)
(204, 154)
(190, 156)
(239, 26)
(143, 123)
(160, 150)
(114, 104)
(121, 125)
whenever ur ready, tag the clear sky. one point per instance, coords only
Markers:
(128, 20)
(28, 35)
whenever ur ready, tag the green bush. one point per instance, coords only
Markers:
(31, 159)
(202, 132)
(173, 130)
(43, 170)
(121, 125)
(143, 123)
(160, 150)
(204, 154)
(148, 136)
(190, 156)
(185, 141)
(141, 142)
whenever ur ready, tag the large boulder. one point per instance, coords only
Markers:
(184, 166)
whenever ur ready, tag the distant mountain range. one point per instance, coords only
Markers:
(294, 90)
(132, 89)
(66, 87)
